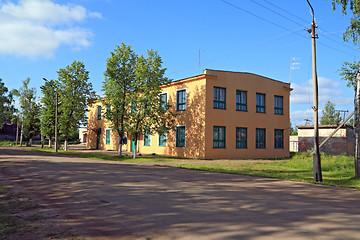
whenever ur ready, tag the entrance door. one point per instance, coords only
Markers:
(98, 140)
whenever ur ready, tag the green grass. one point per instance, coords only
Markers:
(10, 205)
(7, 143)
(336, 170)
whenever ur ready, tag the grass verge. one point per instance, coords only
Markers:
(336, 170)
(12, 207)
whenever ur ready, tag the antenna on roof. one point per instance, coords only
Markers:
(293, 66)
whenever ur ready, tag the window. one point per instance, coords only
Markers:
(107, 136)
(218, 137)
(98, 111)
(163, 100)
(162, 137)
(241, 137)
(279, 138)
(181, 100)
(241, 104)
(219, 98)
(278, 105)
(260, 138)
(147, 138)
(180, 140)
(260, 103)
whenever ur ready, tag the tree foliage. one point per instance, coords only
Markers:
(6, 104)
(117, 86)
(330, 116)
(348, 73)
(131, 93)
(30, 110)
(353, 30)
(75, 92)
(48, 108)
(150, 112)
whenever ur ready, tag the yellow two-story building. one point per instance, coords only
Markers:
(220, 115)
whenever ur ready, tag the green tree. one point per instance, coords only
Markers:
(30, 123)
(149, 112)
(350, 71)
(7, 108)
(75, 92)
(353, 30)
(330, 116)
(117, 86)
(293, 131)
(48, 109)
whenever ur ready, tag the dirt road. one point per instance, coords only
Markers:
(109, 200)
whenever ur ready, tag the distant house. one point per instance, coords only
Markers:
(294, 144)
(82, 134)
(221, 114)
(342, 142)
(8, 131)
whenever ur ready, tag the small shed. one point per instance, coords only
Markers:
(342, 142)
(82, 134)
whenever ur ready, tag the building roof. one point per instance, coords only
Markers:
(323, 126)
(212, 75)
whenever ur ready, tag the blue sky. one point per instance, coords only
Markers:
(38, 37)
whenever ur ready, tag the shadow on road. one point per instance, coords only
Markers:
(107, 199)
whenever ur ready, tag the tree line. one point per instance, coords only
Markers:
(132, 87)
(37, 115)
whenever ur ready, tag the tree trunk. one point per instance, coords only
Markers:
(120, 146)
(21, 134)
(356, 125)
(66, 144)
(30, 142)
(42, 141)
(50, 142)
(135, 146)
(17, 131)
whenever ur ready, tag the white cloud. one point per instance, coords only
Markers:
(36, 28)
(328, 90)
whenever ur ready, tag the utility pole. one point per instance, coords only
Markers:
(316, 156)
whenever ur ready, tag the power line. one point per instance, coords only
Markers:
(282, 27)
(275, 24)
(289, 19)
(286, 11)
(340, 43)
